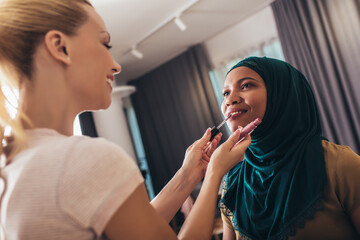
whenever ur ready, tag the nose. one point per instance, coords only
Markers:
(233, 99)
(116, 68)
(232, 103)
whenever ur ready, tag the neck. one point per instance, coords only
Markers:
(47, 110)
(45, 99)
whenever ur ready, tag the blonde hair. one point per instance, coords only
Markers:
(23, 23)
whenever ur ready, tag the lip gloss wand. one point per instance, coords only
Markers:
(215, 130)
(248, 129)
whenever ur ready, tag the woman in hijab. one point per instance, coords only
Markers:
(293, 183)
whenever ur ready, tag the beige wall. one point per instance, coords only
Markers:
(241, 37)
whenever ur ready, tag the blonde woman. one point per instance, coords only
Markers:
(58, 186)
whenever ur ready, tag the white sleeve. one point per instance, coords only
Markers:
(97, 177)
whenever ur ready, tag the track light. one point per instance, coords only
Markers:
(180, 23)
(176, 18)
(136, 53)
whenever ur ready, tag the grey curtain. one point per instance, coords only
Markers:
(174, 104)
(322, 39)
(87, 124)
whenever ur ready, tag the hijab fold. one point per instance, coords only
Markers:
(280, 183)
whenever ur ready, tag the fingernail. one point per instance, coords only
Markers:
(207, 132)
(237, 132)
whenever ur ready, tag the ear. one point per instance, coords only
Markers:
(56, 43)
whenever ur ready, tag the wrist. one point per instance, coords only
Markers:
(188, 176)
(213, 173)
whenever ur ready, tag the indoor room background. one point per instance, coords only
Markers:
(175, 55)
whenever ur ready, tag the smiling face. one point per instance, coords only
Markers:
(92, 67)
(244, 97)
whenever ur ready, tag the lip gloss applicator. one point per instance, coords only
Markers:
(248, 129)
(215, 130)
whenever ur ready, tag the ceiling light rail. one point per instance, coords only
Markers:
(136, 53)
(180, 23)
(134, 50)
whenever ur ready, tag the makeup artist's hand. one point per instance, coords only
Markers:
(210, 147)
(198, 154)
(173, 195)
(229, 153)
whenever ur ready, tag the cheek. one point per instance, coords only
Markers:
(261, 106)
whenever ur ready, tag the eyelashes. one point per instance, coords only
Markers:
(243, 87)
(246, 85)
(108, 47)
(225, 93)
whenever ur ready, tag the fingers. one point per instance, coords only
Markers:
(190, 147)
(214, 144)
(211, 146)
(205, 156)
(203, 143)
(218, 137)
(203, 140)
(233, 141)
(243, 145)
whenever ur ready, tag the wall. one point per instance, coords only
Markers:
(111, 123)
(242, 37)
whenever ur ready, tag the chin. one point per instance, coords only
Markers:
(232, 127)
(103, 105)
(235, 124)
(106, 105)
(106, 102)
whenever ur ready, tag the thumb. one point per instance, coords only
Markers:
(204, 139)
(232, 140)
(243, 145)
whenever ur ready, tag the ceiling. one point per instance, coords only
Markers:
(149, 25)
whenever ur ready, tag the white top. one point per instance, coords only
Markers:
(62, 187)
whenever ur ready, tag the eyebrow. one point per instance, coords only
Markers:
(243, 79)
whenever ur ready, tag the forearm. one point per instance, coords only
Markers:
(199, 223)
(173, 195)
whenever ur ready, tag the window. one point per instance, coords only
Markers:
(77, 127)
(138, 145)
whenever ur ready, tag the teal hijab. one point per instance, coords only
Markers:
(281, 180)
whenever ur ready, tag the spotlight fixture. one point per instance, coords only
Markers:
(180, 23)
(136, 53)
(176, 18)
